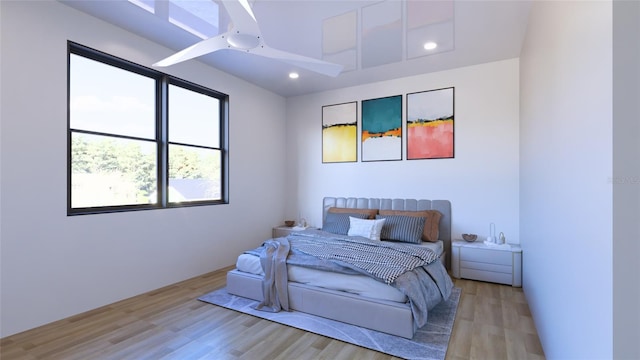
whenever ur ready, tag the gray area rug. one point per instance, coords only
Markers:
(429, 342)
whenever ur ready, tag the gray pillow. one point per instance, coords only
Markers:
(338, 223)
(402, 228)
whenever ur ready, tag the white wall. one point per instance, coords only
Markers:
(481, 181)
(54, 266)
(565, 172)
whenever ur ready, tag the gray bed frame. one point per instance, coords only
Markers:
(380, 315)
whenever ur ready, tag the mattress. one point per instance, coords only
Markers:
(354, 284)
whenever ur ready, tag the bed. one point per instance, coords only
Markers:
(356, 298)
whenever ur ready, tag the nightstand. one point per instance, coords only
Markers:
(493, 263)
(281, 231)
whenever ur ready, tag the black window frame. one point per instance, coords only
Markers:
(162, 124)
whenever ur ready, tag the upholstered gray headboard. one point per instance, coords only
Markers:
(443, 206)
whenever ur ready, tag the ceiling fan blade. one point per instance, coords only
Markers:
(319, 66)
(245, 36)
(242, 17)
(198, 49)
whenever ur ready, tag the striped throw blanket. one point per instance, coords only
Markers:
(385, 261)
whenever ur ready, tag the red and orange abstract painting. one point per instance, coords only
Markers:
(430, 120)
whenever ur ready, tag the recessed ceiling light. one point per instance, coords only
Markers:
(294, 75)
(430, 45)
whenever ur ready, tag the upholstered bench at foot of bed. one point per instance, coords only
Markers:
(385, 316)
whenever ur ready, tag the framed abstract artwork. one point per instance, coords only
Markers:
(381, 136)
(339, 133)
(430, 118)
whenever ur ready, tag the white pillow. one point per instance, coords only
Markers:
(367, 228)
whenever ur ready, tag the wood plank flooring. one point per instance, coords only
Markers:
(493, 322)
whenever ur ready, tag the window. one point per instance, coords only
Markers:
(140, 139)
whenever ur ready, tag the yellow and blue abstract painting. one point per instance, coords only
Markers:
(339, 133)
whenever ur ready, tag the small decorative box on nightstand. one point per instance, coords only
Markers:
(494, 263)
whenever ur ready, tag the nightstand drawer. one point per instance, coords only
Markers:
(486, 267)
(486, 256)
(496, 277)
(281, 231)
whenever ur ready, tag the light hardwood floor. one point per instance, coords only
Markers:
(492, 322)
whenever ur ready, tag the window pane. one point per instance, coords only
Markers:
(108, 171)
(194, 174)
(104, 98)
(194, 118)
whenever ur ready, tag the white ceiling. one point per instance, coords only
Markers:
(483, 31)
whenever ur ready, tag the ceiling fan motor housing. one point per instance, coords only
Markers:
(243, 41)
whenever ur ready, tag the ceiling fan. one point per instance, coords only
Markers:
(245, 36)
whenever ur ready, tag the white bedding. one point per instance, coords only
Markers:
(355, 284)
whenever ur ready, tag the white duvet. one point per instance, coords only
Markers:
(355, 284)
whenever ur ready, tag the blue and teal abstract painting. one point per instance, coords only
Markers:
(382, 129)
